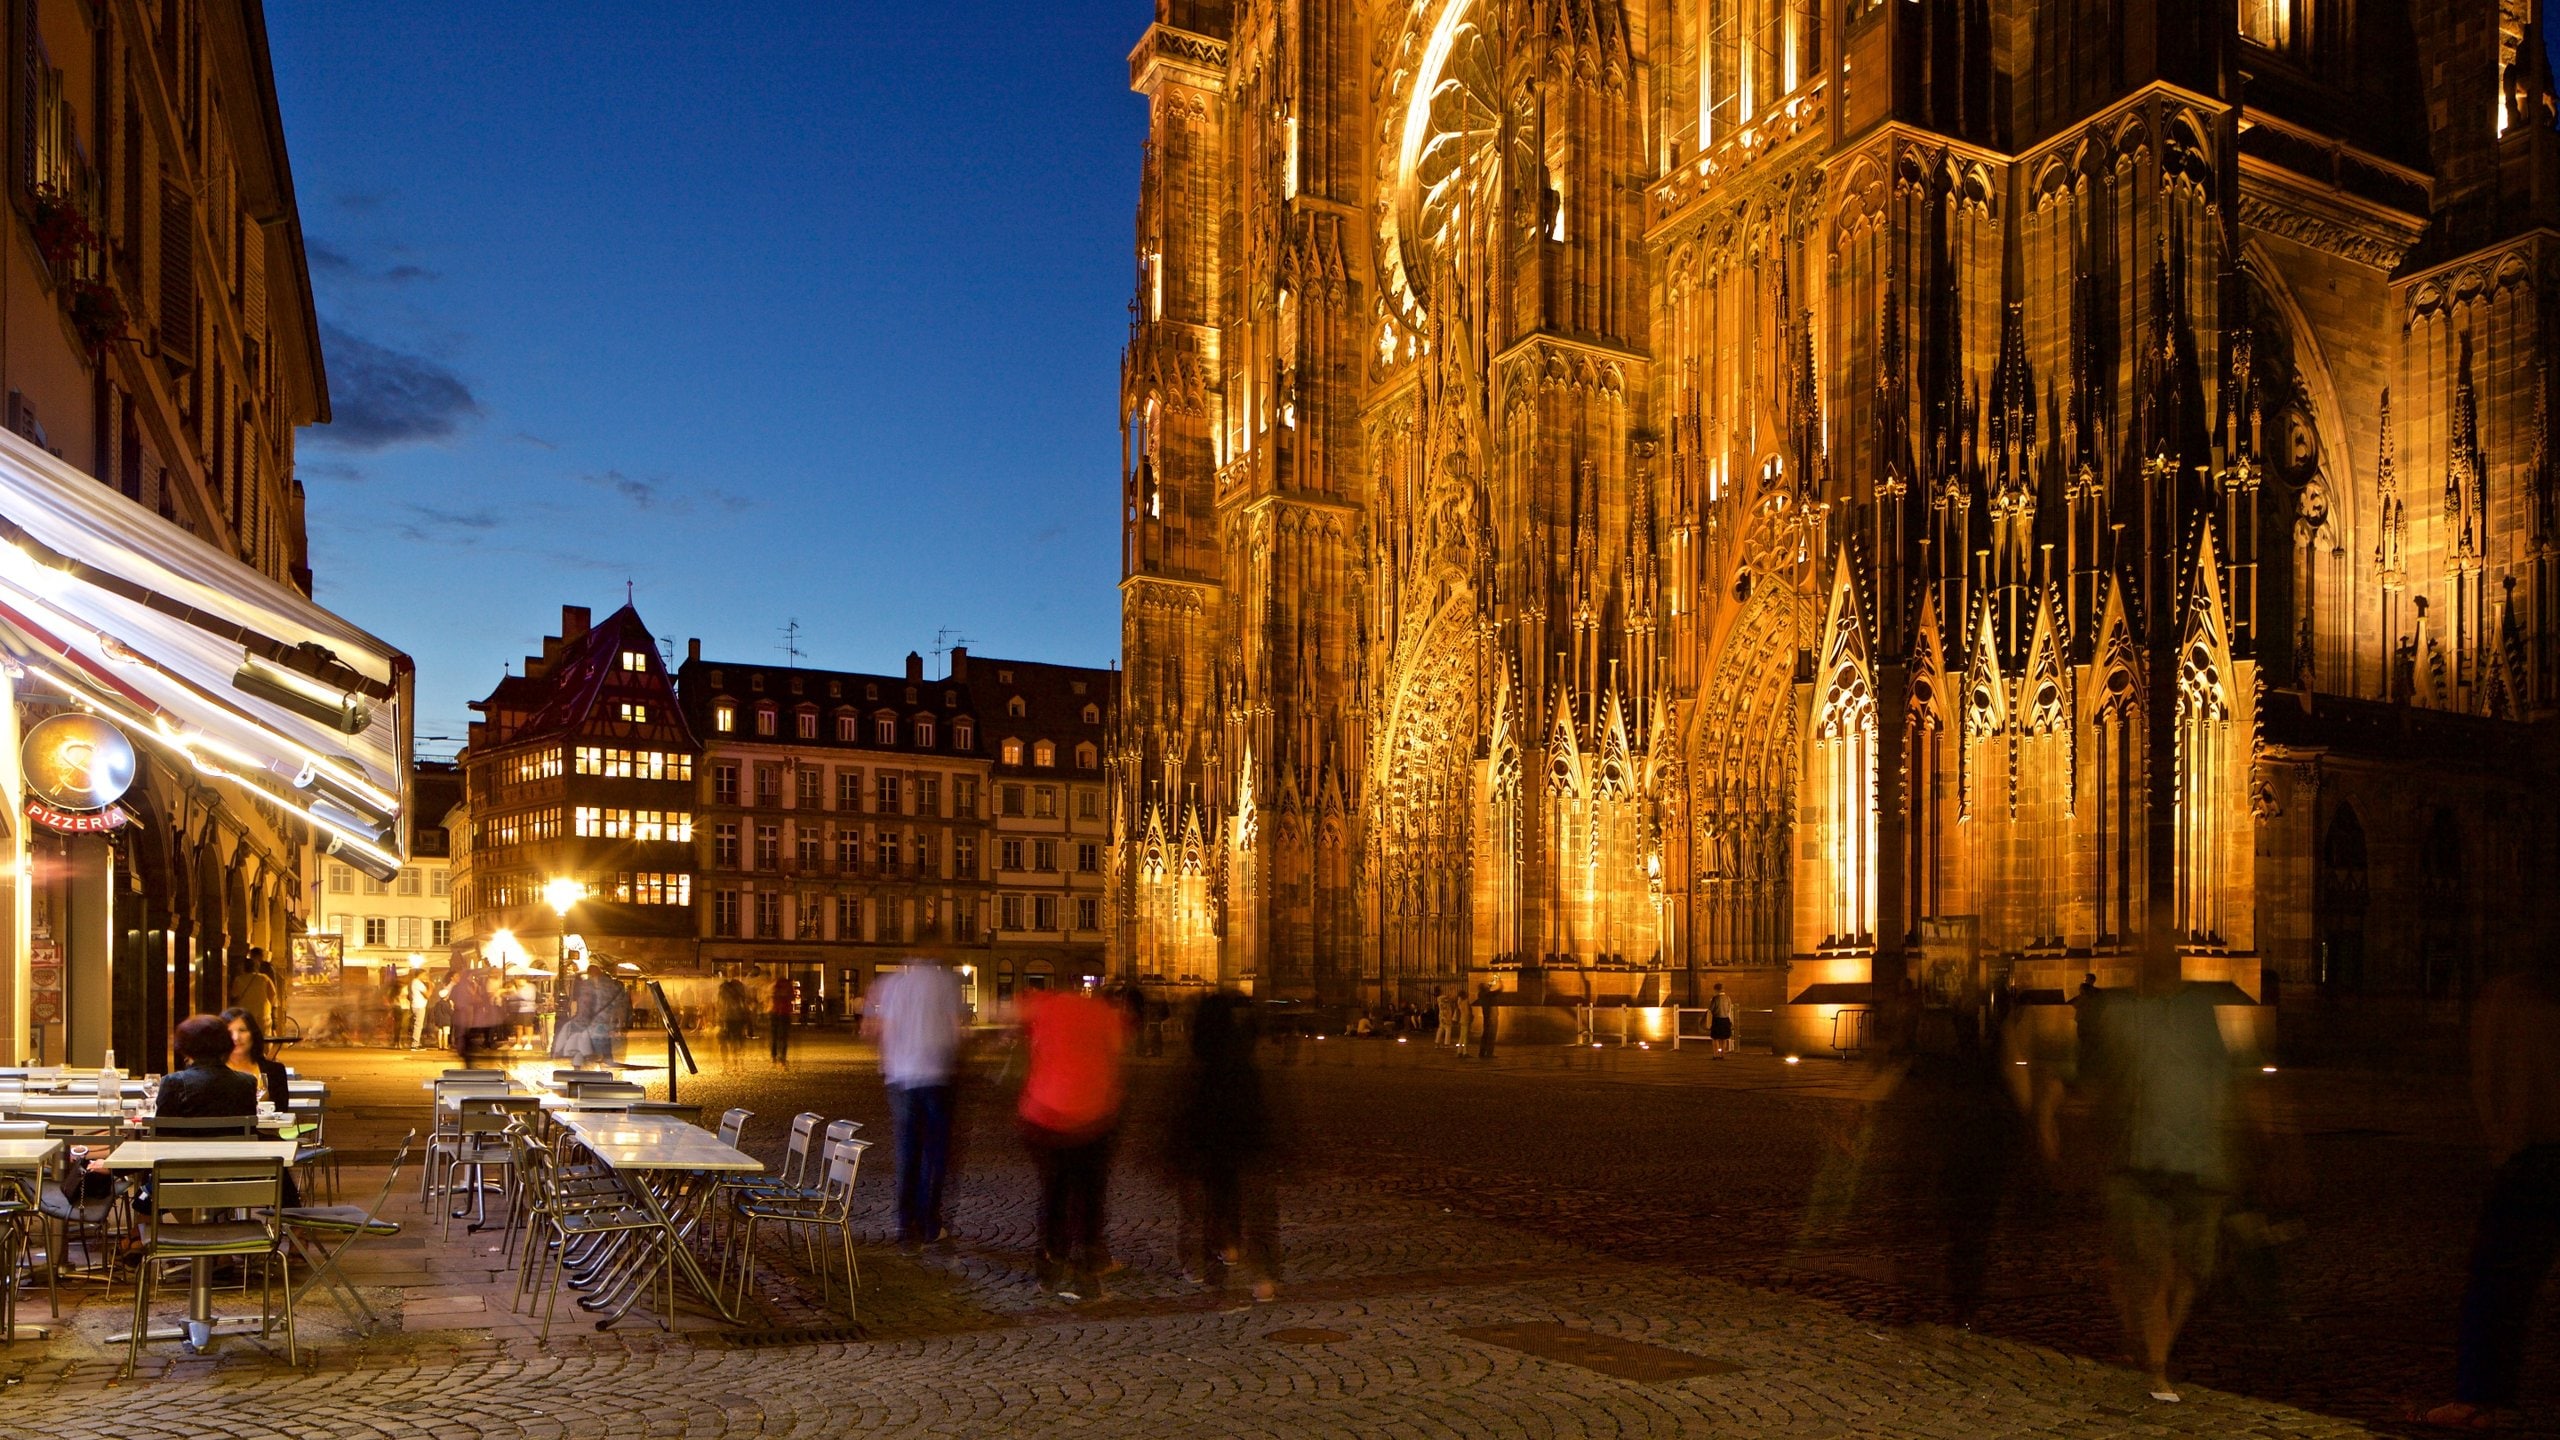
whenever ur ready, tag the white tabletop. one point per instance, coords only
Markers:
(666, 1147)
(27, 1154)
(593, 1121)
(143, 1154)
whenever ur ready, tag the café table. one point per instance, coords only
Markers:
(28, 1160)
(202, 1324)
(663, 1161)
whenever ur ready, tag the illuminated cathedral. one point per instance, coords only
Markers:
(1829, 495)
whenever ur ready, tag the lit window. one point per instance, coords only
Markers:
(724, 718)
(1044, 755)
(635, 661)
(1013, 752)
(635, 712)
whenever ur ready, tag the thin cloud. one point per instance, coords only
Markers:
(659, 495)
(527, 437)
(381, 397)
(327, 257)
(428, 524)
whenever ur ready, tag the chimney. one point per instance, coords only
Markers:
(573, 621)
(693, 650)
(960, 664)
(915, 666)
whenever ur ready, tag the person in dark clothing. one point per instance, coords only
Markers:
(781, 1001)
(1222, 1140)
(1484, 1023)
(207, 1088)
(249, 1057)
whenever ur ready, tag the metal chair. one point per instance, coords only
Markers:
(325, 1233)
(585, 1234)
(249, 1184)
(202, 1127)
(733, 1126)
(480, 1141)
(831, 1210)
(449, 1094)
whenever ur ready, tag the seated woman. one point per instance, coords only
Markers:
(249, 1057)
(208, 1088)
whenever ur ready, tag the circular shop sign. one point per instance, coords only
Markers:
(78, 762)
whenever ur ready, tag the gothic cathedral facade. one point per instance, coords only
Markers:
(1828, 494)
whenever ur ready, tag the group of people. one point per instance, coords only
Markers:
(1068, 1051)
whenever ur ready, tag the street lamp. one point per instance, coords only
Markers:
(564, 895)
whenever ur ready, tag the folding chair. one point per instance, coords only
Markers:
(449, 1094)
(249, 1184)
(480, 1141)
(832, 1209)
(314, 1228)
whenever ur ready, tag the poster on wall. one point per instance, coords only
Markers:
(318, 959)
(44, 983)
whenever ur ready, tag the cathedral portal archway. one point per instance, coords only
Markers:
(1745, 779)
(1427, 797)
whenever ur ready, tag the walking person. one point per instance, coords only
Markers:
(737, 1012)
(254, 990)
(1222, 1140)
(2163, 1082)
(1721, 1017)
(781, 1002)
(2515, 1082)
(420, 1003)
(1069, 1117)
(918, 1015)
(1453, 1018)
(1484, 1022)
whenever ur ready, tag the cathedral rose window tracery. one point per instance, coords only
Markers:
(1442, 176)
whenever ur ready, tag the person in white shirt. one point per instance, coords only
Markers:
(418, 1001)
(918, 1015)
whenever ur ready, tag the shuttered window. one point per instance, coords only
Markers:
(177, 273)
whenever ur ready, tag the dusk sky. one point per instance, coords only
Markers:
(801, 311)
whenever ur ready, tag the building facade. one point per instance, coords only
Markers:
(1825, 493)
(403, 921)
(844, 822)
(157, 335)
(855, 821)
(581, 769)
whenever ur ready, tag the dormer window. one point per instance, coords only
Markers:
(964, 736)
(924, 732)
(724, 717)
(1015, 708)
(886, 729)
(1012, 750)
(808, 724)
(1044, 755)
(1087, 757)
(848, 728)
(1093, 714)
(764, 719)
(870, 692)
(755, 682)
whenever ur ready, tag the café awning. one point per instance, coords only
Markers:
(196, 654)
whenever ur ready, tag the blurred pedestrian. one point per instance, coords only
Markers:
(737, 1011)
(421, 1003)
(254, 990)
(919, 1015)
(2515, 1081)
(1484, 1022)
(1452, 1015)
(1069, 1117)
(2163, 1084)
(780, 1003)
(1222, 1140)
(477, 1014)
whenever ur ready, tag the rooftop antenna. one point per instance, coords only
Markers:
(944, 640)
(792, 654)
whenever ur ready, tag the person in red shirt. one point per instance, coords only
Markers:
(786, 999)
(1069, 1115)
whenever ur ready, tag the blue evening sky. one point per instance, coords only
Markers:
(776, 311)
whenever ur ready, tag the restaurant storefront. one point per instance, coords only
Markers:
(180, 738)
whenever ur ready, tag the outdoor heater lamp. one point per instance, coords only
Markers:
(304, 696)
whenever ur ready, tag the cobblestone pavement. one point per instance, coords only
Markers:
(1782, 1226)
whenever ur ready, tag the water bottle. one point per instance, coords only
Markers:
(108, 1062)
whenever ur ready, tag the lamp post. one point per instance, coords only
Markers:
(564, 895)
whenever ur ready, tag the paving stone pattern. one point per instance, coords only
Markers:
(1783, 1226)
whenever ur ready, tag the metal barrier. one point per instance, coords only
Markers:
(1851, 1026)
